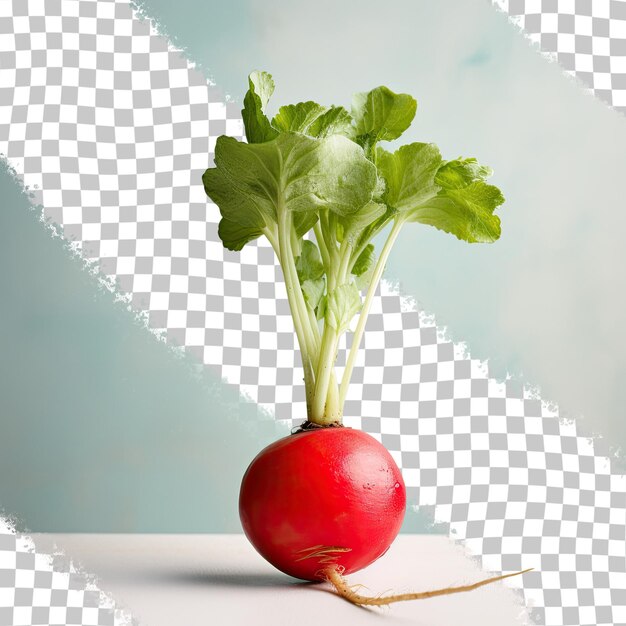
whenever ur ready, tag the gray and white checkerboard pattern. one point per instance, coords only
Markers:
(587, 37)
(111, 130)
(37, 588)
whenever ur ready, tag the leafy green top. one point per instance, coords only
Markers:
(321, 169)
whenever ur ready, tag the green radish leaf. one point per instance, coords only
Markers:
(364, 281)
(347, 179)
(363, 269)
(464, 210)
(241, 220)
(258, 127)
(461, 172)
(380, 189)
(258, 172)
(262, 84)
(410, 174)
(354, 224)
(253, 183)
(313, 291)
(335, 121)
(466, 213)
(234, 236)
(309, 264)
(297, 117)
(234, 205)
(381, 115)
(343, 303)
(314, 119)
(364, 261)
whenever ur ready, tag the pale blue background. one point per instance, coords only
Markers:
(104, 428)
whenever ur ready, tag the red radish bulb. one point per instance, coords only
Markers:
(324, 497)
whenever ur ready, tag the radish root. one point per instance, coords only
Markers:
(334, 576)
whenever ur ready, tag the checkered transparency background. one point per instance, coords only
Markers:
(38, 588)
(111, 130)
(587, 37)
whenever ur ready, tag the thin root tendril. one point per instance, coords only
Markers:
(334, 576)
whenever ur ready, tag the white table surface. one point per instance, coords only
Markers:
(170, 580)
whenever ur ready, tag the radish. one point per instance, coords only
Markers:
(329, 500)
(343, 506)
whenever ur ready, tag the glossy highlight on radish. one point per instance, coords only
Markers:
(329, 496)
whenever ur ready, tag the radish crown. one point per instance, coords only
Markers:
(315, 181)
